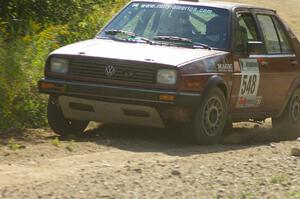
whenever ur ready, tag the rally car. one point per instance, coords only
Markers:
(196, 64)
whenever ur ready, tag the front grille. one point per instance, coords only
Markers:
(94, 68)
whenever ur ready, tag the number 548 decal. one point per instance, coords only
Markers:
(249, 84)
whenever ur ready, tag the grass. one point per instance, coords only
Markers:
(13, 145)
(294, 194)
(279, 179)
(248, 195)
(55, 142)
(71, 146)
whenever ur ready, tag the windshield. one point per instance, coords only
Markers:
(200, 24)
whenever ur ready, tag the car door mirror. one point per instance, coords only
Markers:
(255, 47)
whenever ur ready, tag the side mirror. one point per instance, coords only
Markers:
(255, 47)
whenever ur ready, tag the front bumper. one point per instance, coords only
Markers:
(118, 94)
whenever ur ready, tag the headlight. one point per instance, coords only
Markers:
(59, 65)
(166, 76)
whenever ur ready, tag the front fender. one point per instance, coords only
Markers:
(216, 81)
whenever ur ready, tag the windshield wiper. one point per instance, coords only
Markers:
(181, 40)
(115, 32)
(131, 35)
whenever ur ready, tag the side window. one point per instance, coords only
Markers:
(246, 31)
(283, 38)
(270, 34)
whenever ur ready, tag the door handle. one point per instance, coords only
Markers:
(264, 63)
(294, 62)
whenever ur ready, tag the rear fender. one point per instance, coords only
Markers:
(293, 87)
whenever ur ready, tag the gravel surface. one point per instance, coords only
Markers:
(123, 162)
(127, 162)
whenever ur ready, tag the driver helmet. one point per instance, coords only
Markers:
(216, 29)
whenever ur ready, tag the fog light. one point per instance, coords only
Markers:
(45, 85)
(167, 97)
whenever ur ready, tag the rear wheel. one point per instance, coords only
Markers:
(59, 124)
(209, 120)
(291, 115)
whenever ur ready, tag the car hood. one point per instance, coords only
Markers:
(168, 55)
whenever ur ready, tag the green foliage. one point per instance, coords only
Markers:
(13, 145)
(55, 142)
(29, 31)
(279, 179)
(19, 14)
(71, 146)
(248, 195)
(294, 194)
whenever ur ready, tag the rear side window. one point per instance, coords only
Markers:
(270, 34)
(283, 38)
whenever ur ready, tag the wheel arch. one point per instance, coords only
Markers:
(295, 85)
(219, 82)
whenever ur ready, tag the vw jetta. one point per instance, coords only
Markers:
(200, 65)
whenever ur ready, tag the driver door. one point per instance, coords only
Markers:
(249, 73)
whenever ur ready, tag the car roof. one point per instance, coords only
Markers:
(217, 4)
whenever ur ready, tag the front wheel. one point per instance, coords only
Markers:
(59, 124)
(209, 120)
(290, 118)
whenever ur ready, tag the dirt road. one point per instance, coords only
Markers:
(127, 162)
(124, 162)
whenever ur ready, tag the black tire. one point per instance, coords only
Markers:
(209, 119)
(228, 129)
(290, 118)
(59, 124)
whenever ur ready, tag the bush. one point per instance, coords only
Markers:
(27, 36)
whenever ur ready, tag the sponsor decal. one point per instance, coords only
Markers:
(249, 65)
(223, 68)
(135, 5)
(249, 84)
(249, 101)
(172, 7)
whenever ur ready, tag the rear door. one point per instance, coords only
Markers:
(261, 80)
(280, 60)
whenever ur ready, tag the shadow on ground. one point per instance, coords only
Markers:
(141, 139)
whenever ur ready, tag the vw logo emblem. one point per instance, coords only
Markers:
(110, 71)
